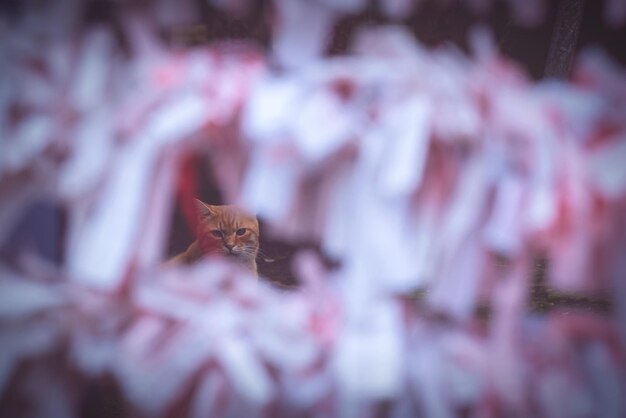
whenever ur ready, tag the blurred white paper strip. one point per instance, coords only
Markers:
(424, 370)
(89, 89)
(20, 298)
(270, 107)
(269, 186)
(302, 32)
(608, 168)
(504, 228)
(408, 134)
(248, 376)
(101, 246)
(318, 140)
(151, 381)
(31, 137)
(459, 280)
(370, 353)
(91, 154)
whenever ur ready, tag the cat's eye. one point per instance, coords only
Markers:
(217, 233)
(241, 231)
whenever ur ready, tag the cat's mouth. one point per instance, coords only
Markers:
(234, 254)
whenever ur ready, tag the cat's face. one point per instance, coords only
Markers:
(229, 231)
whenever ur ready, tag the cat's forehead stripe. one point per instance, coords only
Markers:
(230, 218)
(231, 222)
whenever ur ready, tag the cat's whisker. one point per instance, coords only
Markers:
(262, 253)
(264, 257)
(257, 254)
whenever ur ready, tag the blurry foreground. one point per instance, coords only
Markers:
(423, 172)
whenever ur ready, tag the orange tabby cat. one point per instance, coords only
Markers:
(225, 230)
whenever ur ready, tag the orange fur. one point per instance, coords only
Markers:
(224, 230)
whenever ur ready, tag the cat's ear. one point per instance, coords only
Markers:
(204, 210)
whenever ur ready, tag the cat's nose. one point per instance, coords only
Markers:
(229, 247)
